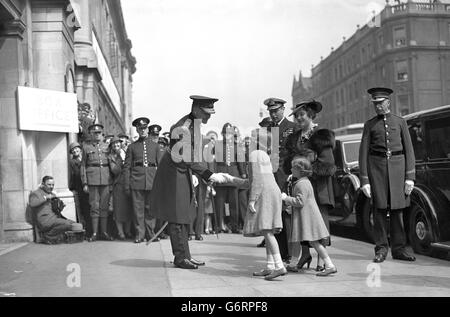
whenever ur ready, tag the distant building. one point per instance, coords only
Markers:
(301, 89)
(406, 47)
(59, 61)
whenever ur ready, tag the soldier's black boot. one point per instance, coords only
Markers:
(104, 230)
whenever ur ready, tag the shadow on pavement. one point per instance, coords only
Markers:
(138, 263)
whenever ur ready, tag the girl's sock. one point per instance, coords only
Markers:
(270, 262)
(278, 261)
(328, 263)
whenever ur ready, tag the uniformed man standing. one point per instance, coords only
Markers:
(284, 128)
(96, 179)
(387, 172)
(140, 167)
(154, 131)
(173, 197)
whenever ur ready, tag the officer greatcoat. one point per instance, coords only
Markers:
(173, 195)
(386, 160)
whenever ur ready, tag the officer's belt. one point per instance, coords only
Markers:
(136, 164)
(386, 154)
(97, 165)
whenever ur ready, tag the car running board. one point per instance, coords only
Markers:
(441, 245)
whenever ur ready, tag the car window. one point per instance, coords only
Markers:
(351, 151)
(438, 137)
(417, 139)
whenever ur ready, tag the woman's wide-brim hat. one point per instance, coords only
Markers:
(312, 104)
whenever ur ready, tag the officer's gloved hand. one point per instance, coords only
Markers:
(86, 189)
(366, 190)
(194, 180)
(218, 178)
(251, 206)
(409, 185)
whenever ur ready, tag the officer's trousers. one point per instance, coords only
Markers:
(396, 232)
(99, 201)
(143, 223)
(179, 241)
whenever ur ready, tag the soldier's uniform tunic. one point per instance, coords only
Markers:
(140, 167)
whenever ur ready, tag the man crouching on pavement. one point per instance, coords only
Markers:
(51, 224)
(173, 195)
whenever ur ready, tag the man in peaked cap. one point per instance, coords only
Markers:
(154, 131)
(173, 198)
(140, 166)
(283, 127)
(387, 173)
(96, 179)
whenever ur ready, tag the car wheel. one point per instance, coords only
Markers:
(420, 230)
(368, 221)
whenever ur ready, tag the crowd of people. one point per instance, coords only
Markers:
(276, 183)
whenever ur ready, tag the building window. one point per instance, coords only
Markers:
(401, 70)
(403, 104)
(381, 42)
(400, 36)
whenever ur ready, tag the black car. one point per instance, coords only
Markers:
(428, 219)
(352, 209)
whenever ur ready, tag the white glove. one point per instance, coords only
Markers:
(251, 206)
(217, 178)
(366, 190)
(283, 196)
(194, 180)
(409, 185)
(289, 179)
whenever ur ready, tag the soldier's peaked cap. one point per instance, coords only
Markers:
(206, 103)
(96, 128)
(274, 103)
(380, 93)
(141, 122)
(155, 129)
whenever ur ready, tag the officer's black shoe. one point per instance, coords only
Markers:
(190, 237)
(196, 262)
(106, 237)
(379, 258)
(137, 240)
(199, 237)
(404, 257)
(186, 264)
(93, 238)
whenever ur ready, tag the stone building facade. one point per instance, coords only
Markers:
(43, 80)
(406, 47)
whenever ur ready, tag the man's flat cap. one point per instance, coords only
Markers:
(96, 128)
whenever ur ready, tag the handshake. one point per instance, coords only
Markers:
(221, 178)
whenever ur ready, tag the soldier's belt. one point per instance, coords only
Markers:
(135, 164)
(98, 165)
(386, 154)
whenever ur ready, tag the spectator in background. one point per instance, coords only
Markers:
(76, 186)
(121, 202)
(48, 218)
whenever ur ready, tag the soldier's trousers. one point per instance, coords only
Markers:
(99, 201)
(396, 232)
(179, 241)
(197, 226)
(143, 223)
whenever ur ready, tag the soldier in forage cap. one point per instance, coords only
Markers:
(96, 179)
(387, 173)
